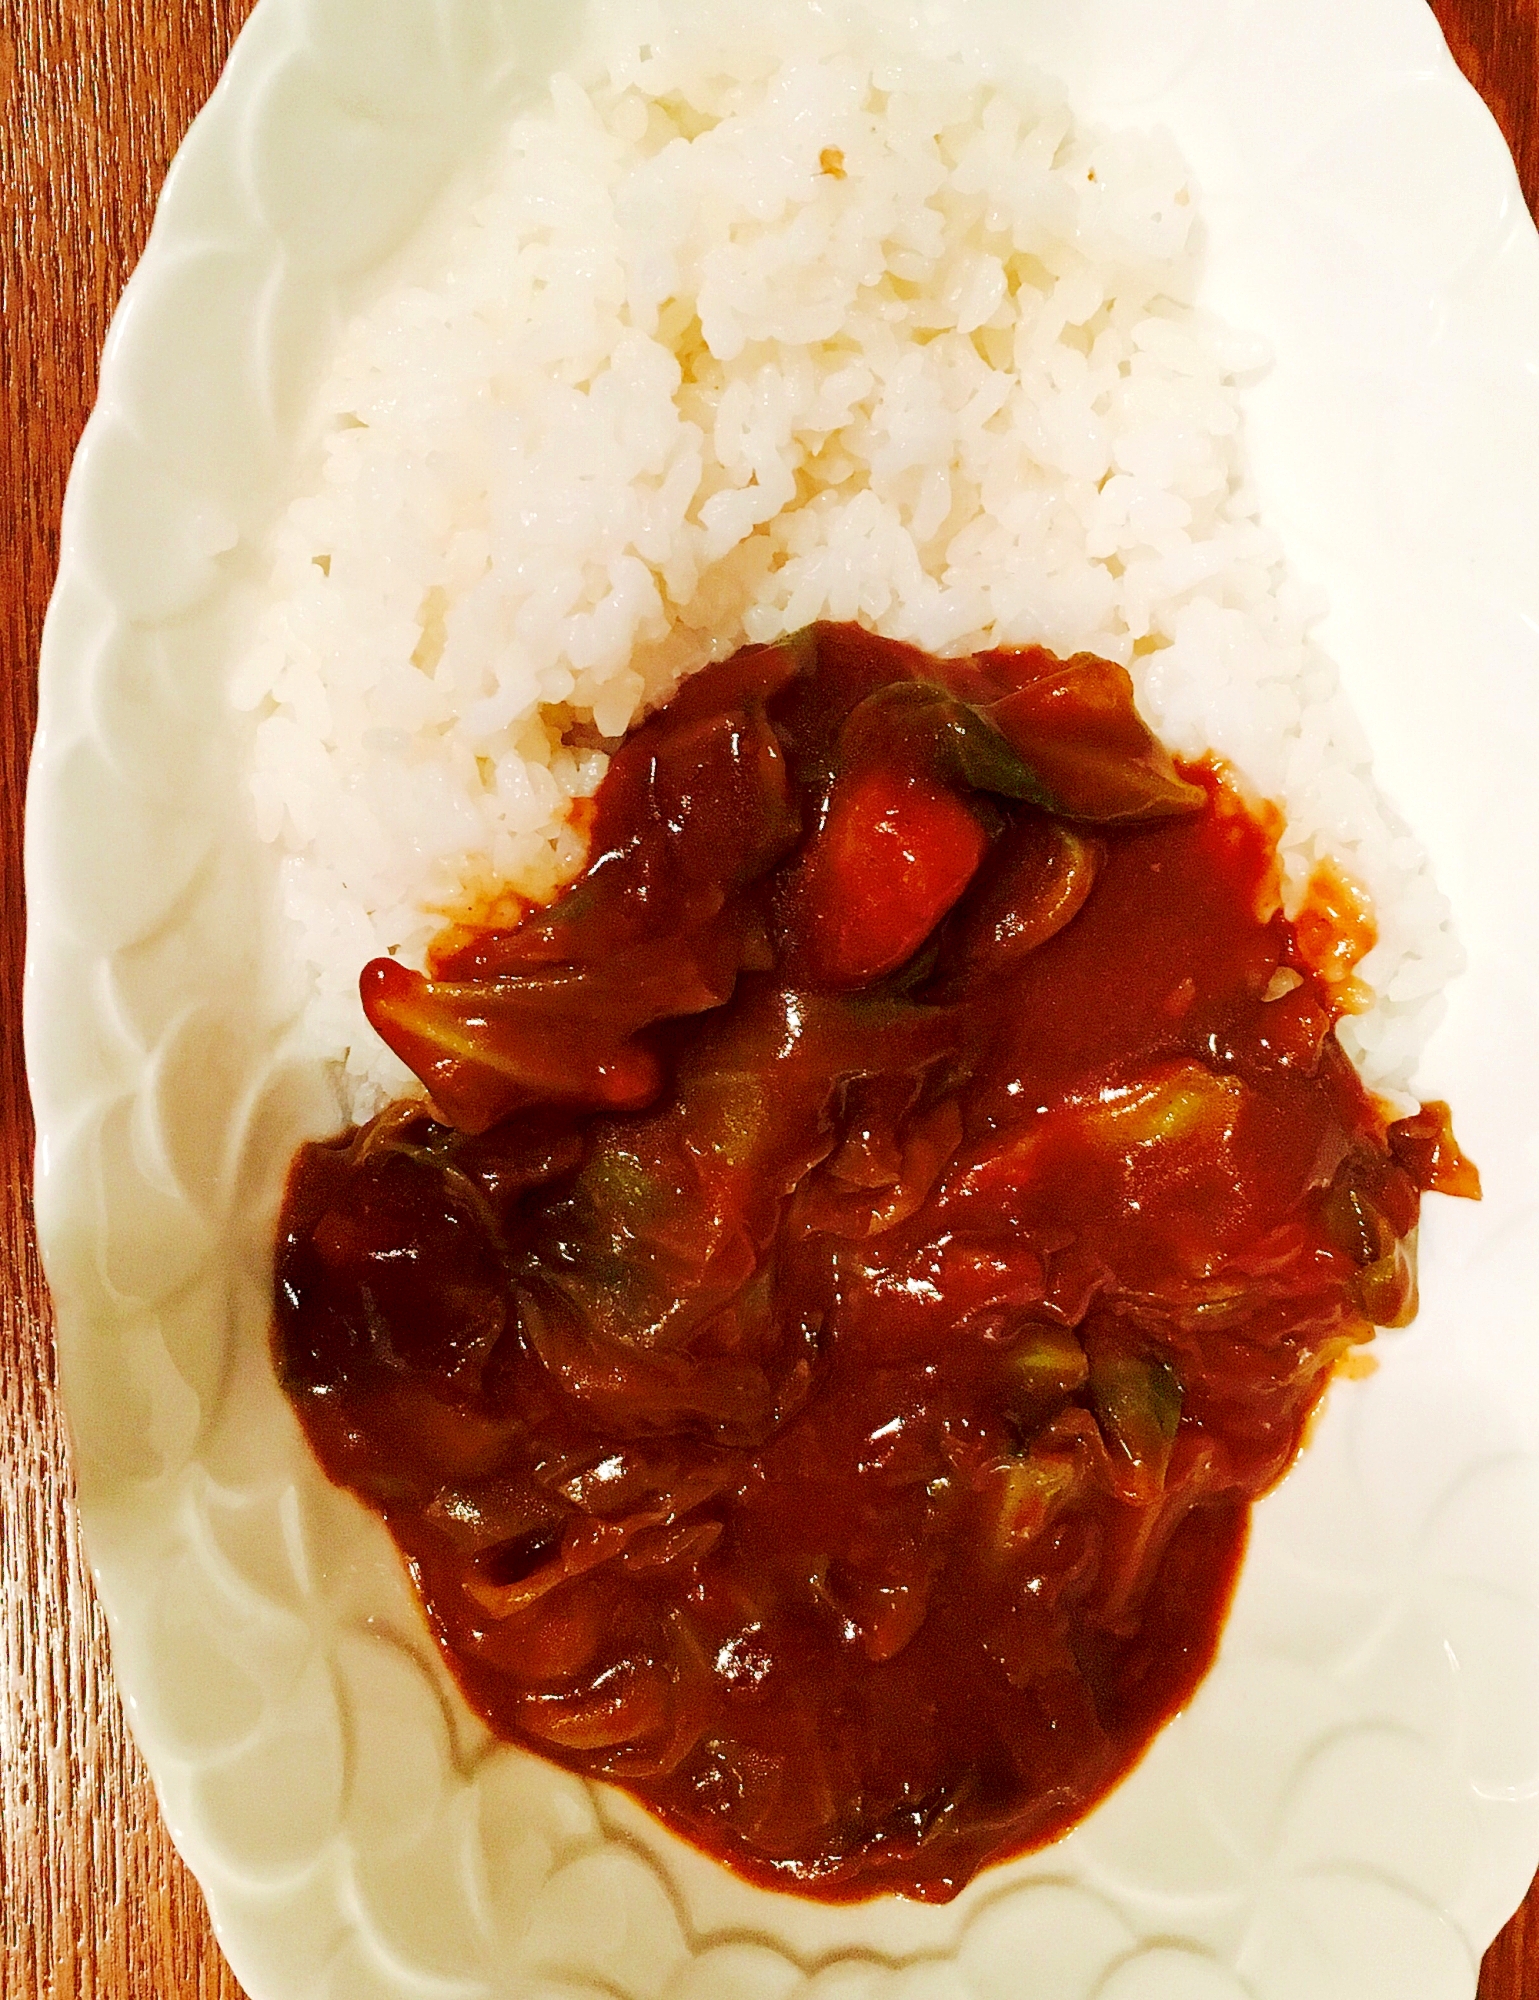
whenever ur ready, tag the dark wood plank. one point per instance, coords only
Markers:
(94, 1903)
(94, 96)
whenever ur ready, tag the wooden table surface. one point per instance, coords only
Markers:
(94, 97)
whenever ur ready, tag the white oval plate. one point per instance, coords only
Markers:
(1351, 1805)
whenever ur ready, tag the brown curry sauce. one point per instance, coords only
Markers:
(872, 1239)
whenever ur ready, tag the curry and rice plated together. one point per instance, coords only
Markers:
(870, 1137)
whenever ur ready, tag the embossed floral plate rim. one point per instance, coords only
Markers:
(1351, 1805)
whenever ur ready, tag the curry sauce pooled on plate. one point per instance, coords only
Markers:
(867, 1244)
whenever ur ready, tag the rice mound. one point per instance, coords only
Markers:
(727, 340)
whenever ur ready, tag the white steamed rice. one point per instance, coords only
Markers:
(766, 316)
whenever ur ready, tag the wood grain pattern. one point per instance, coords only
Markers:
(94, 97)
(94, 1903)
